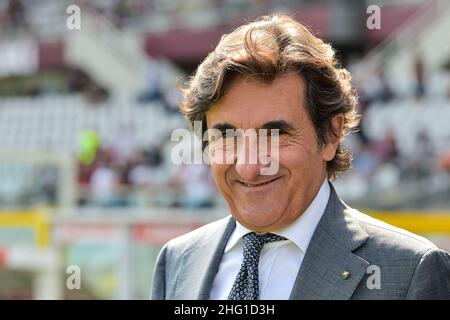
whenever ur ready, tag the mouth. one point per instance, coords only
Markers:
(255, 185)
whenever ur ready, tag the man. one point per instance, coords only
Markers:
(290, 236)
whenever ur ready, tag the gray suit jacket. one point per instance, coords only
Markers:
(383, 262)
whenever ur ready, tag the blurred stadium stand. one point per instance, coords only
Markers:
(86, 118)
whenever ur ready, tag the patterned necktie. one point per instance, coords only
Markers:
(246, 285)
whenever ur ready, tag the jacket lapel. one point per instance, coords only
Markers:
(329, 257)
(200, 264)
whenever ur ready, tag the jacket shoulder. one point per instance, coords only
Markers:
(198, 236)
(168, 265)
(410, 266)
(390, 237)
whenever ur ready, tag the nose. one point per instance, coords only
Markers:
(248, 164)
(248, 172)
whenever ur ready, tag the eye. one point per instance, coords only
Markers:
(277, 132)
(214, 137)
(228, 134)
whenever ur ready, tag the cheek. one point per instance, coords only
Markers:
(298, 160)
(292, 156)
(219, 172)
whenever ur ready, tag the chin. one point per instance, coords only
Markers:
(259, 216)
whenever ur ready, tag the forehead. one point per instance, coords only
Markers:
(249, 103)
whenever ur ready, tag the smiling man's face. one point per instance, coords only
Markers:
(270, 202)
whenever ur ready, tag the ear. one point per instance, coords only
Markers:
(334, 136)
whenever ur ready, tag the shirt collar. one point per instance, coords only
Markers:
(301, 230)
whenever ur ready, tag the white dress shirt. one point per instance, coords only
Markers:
(279, 261)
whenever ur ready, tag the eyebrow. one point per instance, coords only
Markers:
(282, 125)
(223, 126)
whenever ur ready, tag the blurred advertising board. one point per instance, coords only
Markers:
(27, 228)
(433, 225)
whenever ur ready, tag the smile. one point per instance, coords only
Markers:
(254, 185)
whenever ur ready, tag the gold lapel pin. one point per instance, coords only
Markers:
(345, 275)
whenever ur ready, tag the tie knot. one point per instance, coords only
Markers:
(246, 286)
(257, 241)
